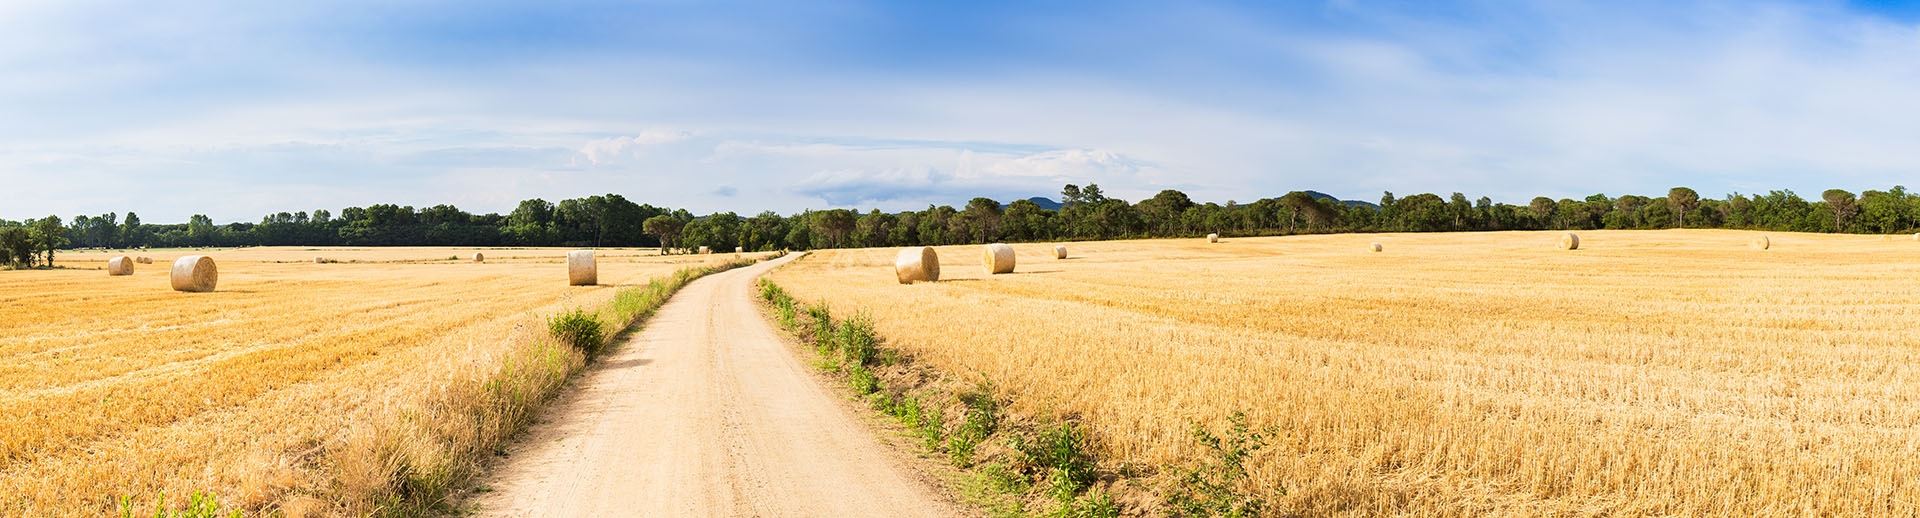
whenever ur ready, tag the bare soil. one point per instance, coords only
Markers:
(705, 412)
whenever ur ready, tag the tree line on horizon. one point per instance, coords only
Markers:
(1084, 213)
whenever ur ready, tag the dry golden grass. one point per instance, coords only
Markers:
(398, 254)
(115, 386)
(1655, 372)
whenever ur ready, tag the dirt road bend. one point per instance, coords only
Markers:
(705, 412)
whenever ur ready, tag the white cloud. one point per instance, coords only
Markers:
(1076, 165)
(611, 150)
(1553, 99)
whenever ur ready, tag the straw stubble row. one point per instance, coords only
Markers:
(252, 395)
(1660, 375)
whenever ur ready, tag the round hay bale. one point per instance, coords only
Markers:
(195, 273)
(580, 269)
(319, 260)
(1213, 238)
(1059, 251)
(996, 258)
(704, 250)
(479, 257)
(739, 249)
(122, 265)
(1762, 243)
(1916, 236)
(1571, 241)
(917, 264)
(143, 260)
(1376, 247)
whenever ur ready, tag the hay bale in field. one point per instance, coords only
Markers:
(479, 257)
(1762, 243)
(1213, 238)
(996, 258)
(319, 260)
(195, 273)
(143, 260)
(739, 249)
(917, 264)
(1571, 241)
(704, 250)
(1376, 247)
(122, 265)
(580, 269)
(1059, 251)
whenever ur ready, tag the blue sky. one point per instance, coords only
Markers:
(238, 109)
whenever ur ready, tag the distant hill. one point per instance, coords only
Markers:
(1350, 203)
(1044, 203)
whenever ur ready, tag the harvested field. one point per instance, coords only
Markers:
(113, 386)
(344, 254)
(1647, 372)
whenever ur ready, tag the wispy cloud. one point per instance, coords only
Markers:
(236, 109)
(621, 149)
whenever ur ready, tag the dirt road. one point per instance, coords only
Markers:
(705, 412)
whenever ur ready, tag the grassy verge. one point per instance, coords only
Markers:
(1020, 466)
(1014, 466)
(409, 465)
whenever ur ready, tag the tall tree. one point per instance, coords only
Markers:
(1461, 209)
(50, 236)
(983, 219)
(1629, 209)
(1683, 200)
(833, 225)
(766, 231)
(17, 246)
(1026, 221)
(664, 228)
(200, 229)
(1091, 194)
(536, 212)
(130, 232)
(1842, 203)
(873, 229)
(1069, 196)
(1164, 211)
(1543, 208)
(1299, 203)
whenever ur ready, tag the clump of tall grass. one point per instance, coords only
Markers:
(578, 328)
(199, 505)
(1214, 485)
